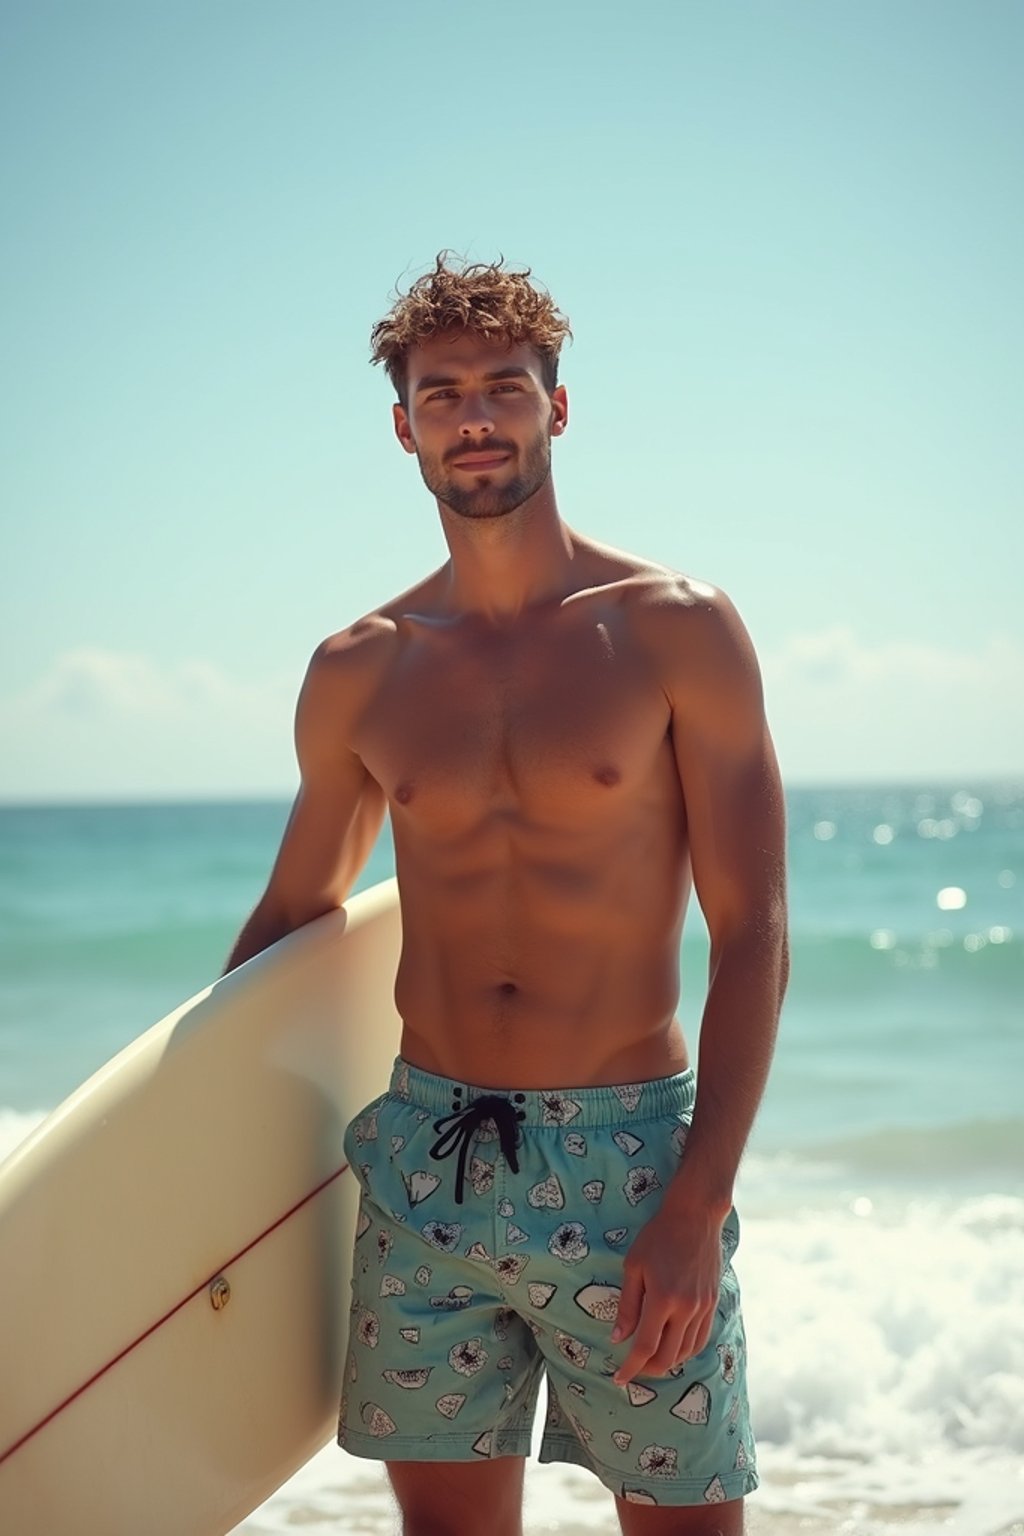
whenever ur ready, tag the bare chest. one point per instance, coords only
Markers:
(557, 726)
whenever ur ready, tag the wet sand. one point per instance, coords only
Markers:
(349, 1496)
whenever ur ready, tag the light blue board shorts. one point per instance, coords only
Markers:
(490, 1241)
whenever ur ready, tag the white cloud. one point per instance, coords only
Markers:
(90, 681)
(107, 724)
(842, 707)
(112, 723)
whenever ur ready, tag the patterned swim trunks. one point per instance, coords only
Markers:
(491, 1235)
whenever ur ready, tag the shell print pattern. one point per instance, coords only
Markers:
(572, 1349)
(510, 1267)
(434, 1358)
(481, 1176)
(468, 1357)
(559, 1109)
(640, 1182)
(695, 1405)
(548, 1194)
(365, 1130)
(420, 1185)
(569, 1242)
(368, 1329)
(377, 1420)
(443, 1234)
(599, 1301)
(727, 1362)
(659, 1460)
(540, 1293)
(457, 1299)
(409, 1381)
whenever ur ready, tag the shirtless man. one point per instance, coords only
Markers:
(566, 737)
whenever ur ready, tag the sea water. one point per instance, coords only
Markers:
(882, 1194)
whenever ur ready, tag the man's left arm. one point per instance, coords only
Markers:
(737, 831)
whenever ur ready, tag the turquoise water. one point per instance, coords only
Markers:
(901, 1036)
(882, 1255)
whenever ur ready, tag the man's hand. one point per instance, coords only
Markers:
(672, 1275)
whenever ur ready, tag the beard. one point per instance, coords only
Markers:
(482, 501)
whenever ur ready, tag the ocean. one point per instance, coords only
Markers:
(882, 1194)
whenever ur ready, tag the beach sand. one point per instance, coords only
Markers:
(338, 1493)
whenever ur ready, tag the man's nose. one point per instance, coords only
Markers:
(475, 415)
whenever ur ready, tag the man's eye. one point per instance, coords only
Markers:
(439, 394)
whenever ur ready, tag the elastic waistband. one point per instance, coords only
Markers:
(570, 1107)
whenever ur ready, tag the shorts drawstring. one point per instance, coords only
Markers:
(463, 1125)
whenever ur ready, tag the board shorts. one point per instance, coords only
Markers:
(489, 1246)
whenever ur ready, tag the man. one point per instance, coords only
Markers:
(566, 738)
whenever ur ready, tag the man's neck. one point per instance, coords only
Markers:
(500, 566)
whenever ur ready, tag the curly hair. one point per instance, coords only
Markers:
(485, 298)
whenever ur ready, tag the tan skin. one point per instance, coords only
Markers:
(567, 738)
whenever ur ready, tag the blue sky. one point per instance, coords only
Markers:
(788, 237)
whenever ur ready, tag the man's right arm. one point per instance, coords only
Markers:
(339, 808)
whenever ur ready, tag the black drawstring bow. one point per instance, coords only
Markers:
(464, 1123)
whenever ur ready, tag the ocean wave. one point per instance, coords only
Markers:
(928, 1152)
(15, 1126)
(869, 1339)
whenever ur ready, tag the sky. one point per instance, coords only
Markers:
(788, 236)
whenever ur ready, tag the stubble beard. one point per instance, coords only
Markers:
(488, 501)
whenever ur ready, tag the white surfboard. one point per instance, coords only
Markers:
(175, 1247)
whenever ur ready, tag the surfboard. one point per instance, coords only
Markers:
(175, 1246)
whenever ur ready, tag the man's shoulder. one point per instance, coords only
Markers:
(691, 629)
(372, 638)
(358, 642)
(667, 602)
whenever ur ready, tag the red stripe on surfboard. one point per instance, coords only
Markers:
(168, 1315)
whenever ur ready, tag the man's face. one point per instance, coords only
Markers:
(473, 399)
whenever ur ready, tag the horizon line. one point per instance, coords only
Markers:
(990, 778)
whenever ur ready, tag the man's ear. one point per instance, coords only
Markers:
(559, 410)
(403, 431)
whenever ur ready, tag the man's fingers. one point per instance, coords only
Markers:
(628, 1314)
(695, 1335)
(646, 1345)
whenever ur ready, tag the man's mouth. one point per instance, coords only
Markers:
(481, 461)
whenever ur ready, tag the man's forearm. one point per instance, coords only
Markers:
(263, 929)
(737, 1039)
